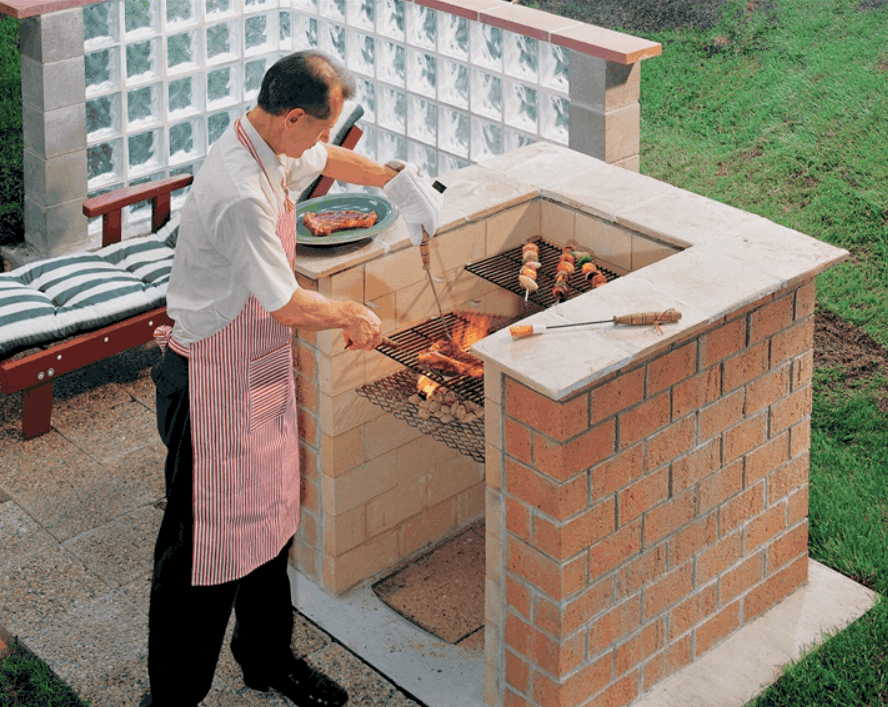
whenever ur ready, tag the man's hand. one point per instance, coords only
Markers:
(364, 330)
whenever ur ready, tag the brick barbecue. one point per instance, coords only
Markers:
(644, 492)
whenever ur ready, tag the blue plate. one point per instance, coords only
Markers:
(386, 213)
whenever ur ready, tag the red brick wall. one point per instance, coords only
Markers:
(650, 516)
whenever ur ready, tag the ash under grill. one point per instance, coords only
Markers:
(502, 269)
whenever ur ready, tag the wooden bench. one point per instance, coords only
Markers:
(32, 371)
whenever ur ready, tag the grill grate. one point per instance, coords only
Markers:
(502, 269)
(416, 339)
(391, 395)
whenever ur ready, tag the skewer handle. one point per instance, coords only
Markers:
(670, 316)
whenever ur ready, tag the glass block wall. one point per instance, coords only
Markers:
(164, 78)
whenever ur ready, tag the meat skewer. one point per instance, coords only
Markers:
(590, 270)
(655, 319)
(565, 268)
(530, 263)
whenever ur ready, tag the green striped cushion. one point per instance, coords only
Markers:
(59, 297)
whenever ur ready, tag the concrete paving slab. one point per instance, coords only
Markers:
(735, 671)
(20, 535)
(119, 551)
(435, 672)
(103, 429)
(141, 472)
(43, 588)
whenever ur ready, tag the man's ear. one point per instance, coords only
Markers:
(294, 116)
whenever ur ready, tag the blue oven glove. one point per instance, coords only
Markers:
(419, 204)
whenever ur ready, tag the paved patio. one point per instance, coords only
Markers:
(79, 512)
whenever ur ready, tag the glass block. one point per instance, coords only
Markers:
(223, 86)
(554, 64)
(521, 55)
(217, 123)
(365, 94)
(143, 106)
(390, 146)
(218, 8)
(453, 87)
(141, 16)
(332, 9)
(424, 157)
(514, 140)
(305, 33)
(555, 118)
(487, 46)
(391, 109)
(285, 25)
(310, 6)
(223, 42)
(453, 131)
(331, 39)
(391, 63)
(144, 151)
(487, 140)
(254, 71)
(367, 144)
(422, 25)
(102, 117)
(102, 70)
(94, 225)
(361, 14)
(453, 36)
(421, 73)
(186, 141)
(251, 5)
(390, 18)
(101, 23)
(361, 52)
(141, 211)
(141, 60)
(180, 12)
(177, 198)
(185, 96)
(260, 33)
(183, 51)
(104, 163)
(520, 109)
(448, 163)
(422, 123)
(486, 94)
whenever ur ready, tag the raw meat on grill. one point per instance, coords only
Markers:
(323, 223)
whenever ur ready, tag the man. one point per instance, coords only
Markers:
(226, 404)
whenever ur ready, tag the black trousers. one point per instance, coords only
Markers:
(186, 624)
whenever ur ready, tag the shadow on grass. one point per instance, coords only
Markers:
(26, 681)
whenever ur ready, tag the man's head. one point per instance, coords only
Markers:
(305, 92)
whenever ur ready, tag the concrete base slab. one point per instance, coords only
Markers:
(437, 673)
(738, 669)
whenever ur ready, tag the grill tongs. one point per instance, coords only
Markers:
(426, 265)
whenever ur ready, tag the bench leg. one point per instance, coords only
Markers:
(37, 410)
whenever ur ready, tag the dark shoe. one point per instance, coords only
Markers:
(148, 701)
(304, 686)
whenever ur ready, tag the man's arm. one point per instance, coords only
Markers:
(351, 167)
(314, 312)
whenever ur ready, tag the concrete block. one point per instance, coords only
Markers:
(56, 180)
(55, 230)
(48, 86)
(611, 136)
(56, 132)
(53, 36)
(603, 85)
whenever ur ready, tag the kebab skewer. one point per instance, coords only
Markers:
(530, 263)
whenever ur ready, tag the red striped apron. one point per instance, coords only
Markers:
(244, 436)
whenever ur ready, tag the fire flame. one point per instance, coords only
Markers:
(469, 328)
(426, 386)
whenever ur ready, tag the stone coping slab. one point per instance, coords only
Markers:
(729, 258)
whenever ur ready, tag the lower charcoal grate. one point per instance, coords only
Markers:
(391, 395)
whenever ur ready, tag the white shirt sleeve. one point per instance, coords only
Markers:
(247, 233)
(304, 170)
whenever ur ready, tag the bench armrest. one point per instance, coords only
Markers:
(110, 206)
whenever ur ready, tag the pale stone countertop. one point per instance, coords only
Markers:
(730, 258)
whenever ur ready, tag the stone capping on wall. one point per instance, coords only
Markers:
(585, 38)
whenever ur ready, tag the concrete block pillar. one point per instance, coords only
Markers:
(605, 115)
(54, 126)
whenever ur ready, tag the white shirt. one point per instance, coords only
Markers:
(227, 247)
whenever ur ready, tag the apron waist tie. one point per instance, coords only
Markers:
(163, 335)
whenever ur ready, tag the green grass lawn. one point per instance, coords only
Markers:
(11, 143)
(781, 111)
